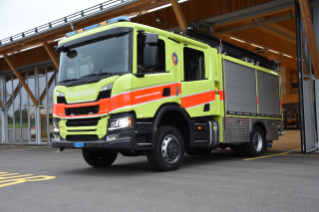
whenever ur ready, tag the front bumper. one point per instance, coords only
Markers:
(138, 139)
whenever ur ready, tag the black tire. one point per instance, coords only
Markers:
(99, 157)
(238, 150)
(169, 149)
(193, 152)
(255, 147)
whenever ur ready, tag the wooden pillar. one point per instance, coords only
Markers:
(310, 34)
(179, 15)
(22, 81)
(51, 54)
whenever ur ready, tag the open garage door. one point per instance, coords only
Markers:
(306, 88)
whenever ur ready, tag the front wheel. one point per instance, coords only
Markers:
(256, 144)
(169, 149)
(99, 157)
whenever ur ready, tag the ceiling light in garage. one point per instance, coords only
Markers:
(287, 55)
(273, 51)
(237, 39)
(257, 46)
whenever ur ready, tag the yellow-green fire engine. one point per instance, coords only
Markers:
(136, 90)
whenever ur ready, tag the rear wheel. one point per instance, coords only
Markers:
(99, 157)
(256, 144)
(169, 149)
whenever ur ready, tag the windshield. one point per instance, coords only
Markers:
(107, 56)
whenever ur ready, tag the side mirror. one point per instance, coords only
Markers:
(150, 51)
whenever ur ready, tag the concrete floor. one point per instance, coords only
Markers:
(38, 179)
(289, 141)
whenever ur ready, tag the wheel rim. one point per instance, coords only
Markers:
(171, 149)
(258, 141)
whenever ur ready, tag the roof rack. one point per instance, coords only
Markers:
(231, 49)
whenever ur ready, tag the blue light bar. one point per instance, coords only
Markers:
(91, 27)
(121, 18)
(71, 33)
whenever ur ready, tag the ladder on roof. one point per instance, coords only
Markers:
(231, 49)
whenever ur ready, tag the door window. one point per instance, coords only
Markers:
(161, 63)
(194, 64)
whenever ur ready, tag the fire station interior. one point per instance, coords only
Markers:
(273, 36)
(266, 27)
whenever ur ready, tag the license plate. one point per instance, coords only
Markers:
(78, 144)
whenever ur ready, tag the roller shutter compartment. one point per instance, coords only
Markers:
(240, 89)
(268, 94)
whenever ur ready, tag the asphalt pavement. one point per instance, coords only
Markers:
(36, 178)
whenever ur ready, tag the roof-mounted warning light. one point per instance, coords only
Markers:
(121, 18)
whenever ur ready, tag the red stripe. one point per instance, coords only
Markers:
(257, 100)
(198, 99)
(221, 95)
(120, 101)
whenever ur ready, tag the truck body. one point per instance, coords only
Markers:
(133, 89)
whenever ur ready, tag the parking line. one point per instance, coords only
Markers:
(7, 179)
(284, 153)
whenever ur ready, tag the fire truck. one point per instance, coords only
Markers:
(136, 90)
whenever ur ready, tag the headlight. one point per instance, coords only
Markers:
(56, 127)
(107, 87)
(59, 94)
(120, 123)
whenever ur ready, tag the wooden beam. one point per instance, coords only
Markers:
(254, 24)
(12, 97)
(310, 34)
(257, 16)
(22, 81)
(284, 29)
(276, 33)
(49, 85)
(51, 54)
(179, 15)
(259, 38)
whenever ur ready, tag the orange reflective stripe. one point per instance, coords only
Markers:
(221, 95)
(142, 96)
(121, 100)
(59, 109)
(198, 99)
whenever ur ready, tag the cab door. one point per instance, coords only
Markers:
(198, 92)
(159, 85)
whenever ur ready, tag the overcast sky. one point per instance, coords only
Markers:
(17, 16)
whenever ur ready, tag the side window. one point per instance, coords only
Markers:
(161, 64)
(194, 64)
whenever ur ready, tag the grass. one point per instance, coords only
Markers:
(17, 125)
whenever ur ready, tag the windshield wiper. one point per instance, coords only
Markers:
(69, 80)
(90, 75)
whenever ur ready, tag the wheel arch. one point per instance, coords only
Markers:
(261, 125)
(173, 115)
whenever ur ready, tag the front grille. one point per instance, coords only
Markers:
(81, 137)
(82, 110)
(82, 122)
